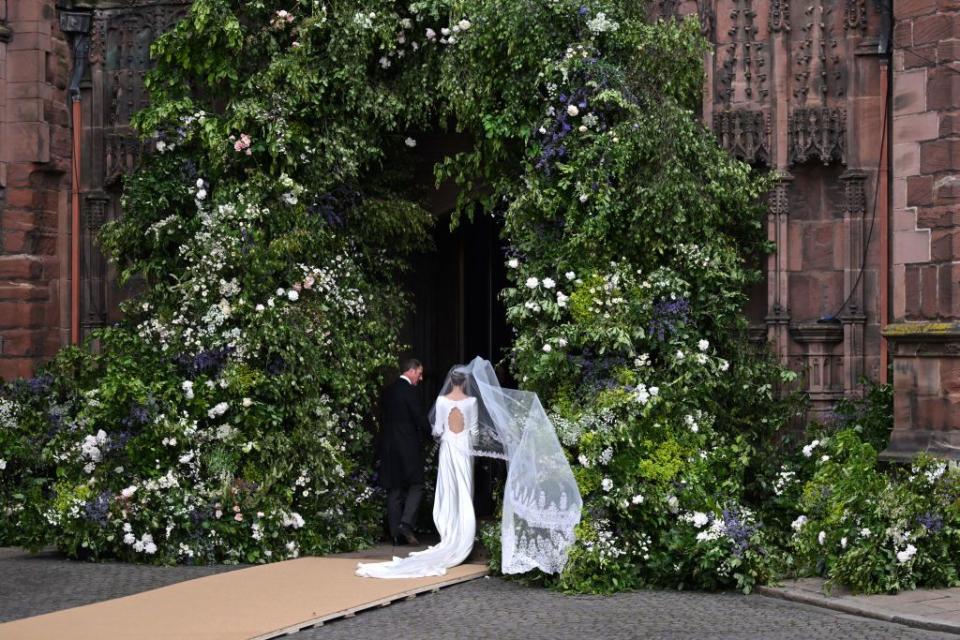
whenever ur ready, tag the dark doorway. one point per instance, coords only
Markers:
(457, 314)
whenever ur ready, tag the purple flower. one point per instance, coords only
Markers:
(96, 510)
(582, 11)
(737, 530)
(932, 522)
(668, 315)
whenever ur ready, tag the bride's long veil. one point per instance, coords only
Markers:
(541, 502)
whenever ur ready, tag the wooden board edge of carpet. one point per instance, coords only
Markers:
(373, 604)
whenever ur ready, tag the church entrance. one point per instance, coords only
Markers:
(456, 314)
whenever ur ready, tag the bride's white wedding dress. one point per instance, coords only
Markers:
(453, 502)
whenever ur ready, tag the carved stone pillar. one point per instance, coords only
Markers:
(853, 318)
(778, 309)
(822, 367)
(93, 264)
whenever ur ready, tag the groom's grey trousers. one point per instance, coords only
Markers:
(402, 505)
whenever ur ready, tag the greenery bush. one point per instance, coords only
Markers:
(226, 418)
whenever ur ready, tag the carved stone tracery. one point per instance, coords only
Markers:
(818, 134)
(745, 134)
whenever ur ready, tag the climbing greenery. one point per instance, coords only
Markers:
(227, 416)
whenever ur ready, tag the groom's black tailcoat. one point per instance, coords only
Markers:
(405, 427)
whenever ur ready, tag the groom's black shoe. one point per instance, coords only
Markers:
(406, 533)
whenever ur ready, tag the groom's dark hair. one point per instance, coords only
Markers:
(409, 363)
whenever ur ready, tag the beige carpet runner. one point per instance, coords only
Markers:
(261, 602)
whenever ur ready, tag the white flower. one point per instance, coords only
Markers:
(150, 548)
(259, 308)
(680, 355)
(700, 519)
(843, 543)
(127, 527)
(129, 538)
(654, 391)
(797, 524)
(570, 275)
(185, 458)
(129, 491)
(293, 519)
(201, 194)
(643, 395)
(218, 410)
(673, 503)
(561, 342)
(906, 554)
(513, 263)
(821, 537)
(548, 283)
(584, 461)
(292, 295)
(410, 142)
(3, 464)
(562, 299)
(385, 62)
(532, 283)
(464, 24)
(583, 197)
(637, 499)
(547, 348)
(703, 345)
(445, 31)
(161, 146)
(431, 34)
(247, 402)
(607, 484)
(724, 365)
(824, 458)
(808, 450)
(572, 110)
(866, 533)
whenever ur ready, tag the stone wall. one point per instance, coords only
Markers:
(925, 334)
(34, 185)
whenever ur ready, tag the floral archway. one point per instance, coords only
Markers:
(227, 418)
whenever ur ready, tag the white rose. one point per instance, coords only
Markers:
(150, 548)
(821, 537)
(410, 142)
(547, 348)
(548, 283)
(247, 402)
(532, 283)
(703, 345)
(797, 524)
(513, 263)
(607, 484)
(129, 538)
(673, 503)
(3, 464)
(700, 519)
(572, 110)
(571, 275)
(843, 543)
(201, 194)
(431, 34)
(280, 292)
(260, 308)
(637, 499)
(654, 391)
(464, 24)
(292, 295)
(128, 492)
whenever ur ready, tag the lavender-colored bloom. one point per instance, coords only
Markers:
(40, 384)
(210, 362)
(582, 11)
(96, 510)
(668, 315)
(932, 522)
(738, 531)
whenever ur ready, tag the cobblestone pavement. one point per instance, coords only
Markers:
(485, 608)
(501, 610)
(45, 582)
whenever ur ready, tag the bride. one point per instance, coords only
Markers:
(474, 416)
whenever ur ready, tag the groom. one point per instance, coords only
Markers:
(405, 427)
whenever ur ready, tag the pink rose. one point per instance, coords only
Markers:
(238, 517)
(238, 146)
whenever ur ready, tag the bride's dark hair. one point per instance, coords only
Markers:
(457, 378)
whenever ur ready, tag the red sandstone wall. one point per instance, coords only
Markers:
(35, 182)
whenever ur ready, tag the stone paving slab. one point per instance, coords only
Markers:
(933, 609)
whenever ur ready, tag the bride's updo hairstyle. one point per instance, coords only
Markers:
(457, 378)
